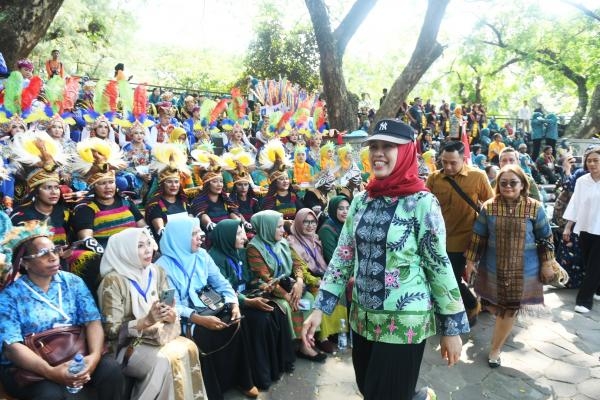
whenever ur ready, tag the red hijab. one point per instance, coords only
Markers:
(403, 180)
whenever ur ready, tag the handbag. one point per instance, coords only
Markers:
(55, 346)
(161, 333)
(158, 334)
(560, 277)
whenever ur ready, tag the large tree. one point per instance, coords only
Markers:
(332, 45)
(559, 51)
(276, 52)
(22, 24)
(427, 50)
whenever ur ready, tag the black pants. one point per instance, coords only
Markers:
(458, 262)
(386, 371)
(227, 364)
(107, 379)
(590, 255)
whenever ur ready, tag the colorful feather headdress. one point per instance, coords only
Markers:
(238, 161)
(273, 159)
(14, 239)
(98, 159)
(38, 155)
(135, 108)
(169, 162)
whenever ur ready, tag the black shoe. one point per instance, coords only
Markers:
(319, 357)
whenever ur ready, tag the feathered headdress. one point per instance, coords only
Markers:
(137, 111)
(97, 159)
(39, 156)
(169, 161)
(18, 100)
(213, 170)
(237, 161)
(14, 239)
(273, 159)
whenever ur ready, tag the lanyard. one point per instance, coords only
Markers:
(310, 252)
(139, 289)
(270, 250)
(237, 267)
(187, 277)
(58, 309)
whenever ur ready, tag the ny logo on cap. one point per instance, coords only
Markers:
(383, 126)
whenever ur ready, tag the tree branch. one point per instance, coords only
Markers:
(506, 65)
(583, 9)
(426, 51)
(357, 14)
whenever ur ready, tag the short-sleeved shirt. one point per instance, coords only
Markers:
(58, 220)
(106, 220)
(23, 310)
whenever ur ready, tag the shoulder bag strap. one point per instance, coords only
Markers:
(462, 194)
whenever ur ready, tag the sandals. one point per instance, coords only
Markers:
(494, 362)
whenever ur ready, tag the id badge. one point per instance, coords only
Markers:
(241, 287)
(59, 325)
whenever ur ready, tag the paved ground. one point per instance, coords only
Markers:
(552, 356)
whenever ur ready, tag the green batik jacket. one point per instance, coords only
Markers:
(395, 248)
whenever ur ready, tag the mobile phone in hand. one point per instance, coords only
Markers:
(168, 297)
(233, 321)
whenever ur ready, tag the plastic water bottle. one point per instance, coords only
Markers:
(342, 336)
(76, 366)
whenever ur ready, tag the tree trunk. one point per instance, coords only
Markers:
(591, 126)
(574, 126)
(426, 52)
(23, 23)
(332, 45)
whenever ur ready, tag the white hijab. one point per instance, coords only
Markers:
(122, 256)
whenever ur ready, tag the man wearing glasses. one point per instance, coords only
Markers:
(460, 189)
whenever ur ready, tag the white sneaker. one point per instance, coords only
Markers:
(581, 309)
(597, 297)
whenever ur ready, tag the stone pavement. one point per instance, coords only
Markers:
(552, 356)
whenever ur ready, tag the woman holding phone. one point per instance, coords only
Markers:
(143, 329)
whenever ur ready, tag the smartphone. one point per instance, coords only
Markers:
(168, 297)
(304, 305)
(233, 321)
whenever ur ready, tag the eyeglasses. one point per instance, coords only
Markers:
(309, 222)
(44, 252)
(512, 184)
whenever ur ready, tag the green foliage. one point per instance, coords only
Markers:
(542, 41)
(90, 35)
(276, 52)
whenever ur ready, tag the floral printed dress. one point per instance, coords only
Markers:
(395, 250)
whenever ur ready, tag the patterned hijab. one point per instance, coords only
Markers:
(308, 246)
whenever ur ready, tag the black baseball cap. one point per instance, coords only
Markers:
(392, 130)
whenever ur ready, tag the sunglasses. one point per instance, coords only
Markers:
(44, 252)
(512, 184)
(309, 222)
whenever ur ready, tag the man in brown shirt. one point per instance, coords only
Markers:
(459, 216)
